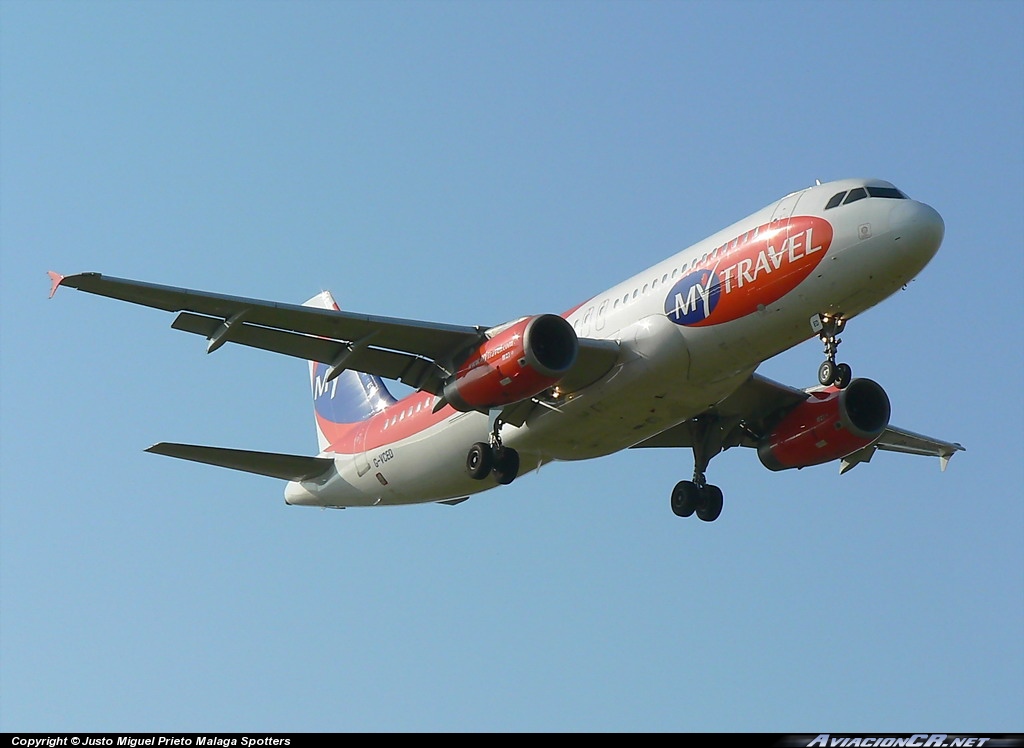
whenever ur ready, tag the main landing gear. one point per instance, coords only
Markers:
(830, 372)
(494, 457)
(698, 496)
(690, 496)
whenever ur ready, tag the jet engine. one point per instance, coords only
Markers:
(518, 360)
(829, 425)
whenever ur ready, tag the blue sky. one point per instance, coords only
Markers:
(470, 162)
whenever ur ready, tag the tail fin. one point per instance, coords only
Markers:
(349, 398)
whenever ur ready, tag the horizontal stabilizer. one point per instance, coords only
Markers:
(272, 464)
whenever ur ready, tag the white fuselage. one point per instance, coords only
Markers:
(691, 329)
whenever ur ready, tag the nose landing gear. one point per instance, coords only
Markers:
(830, 372)
(494, 457)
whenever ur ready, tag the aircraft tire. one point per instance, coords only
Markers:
(506, 465)
(827, 373)
(479, 461)
(710, 506)
(684, 498)
(844, 375)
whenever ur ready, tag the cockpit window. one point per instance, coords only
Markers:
(836, 199)
(860, 193)
(856, 194)
(890, 192)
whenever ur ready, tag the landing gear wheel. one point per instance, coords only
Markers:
(844, 374)
(827, 373)
(710, 505)
(479, 461)
(506, 465)
(684, 498)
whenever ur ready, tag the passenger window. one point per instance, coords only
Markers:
(836, 200)
(858, 194)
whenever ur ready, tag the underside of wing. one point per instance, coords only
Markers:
(423, 355)
(739, 418)
(409, 350)
(761, 414)
(899, 440)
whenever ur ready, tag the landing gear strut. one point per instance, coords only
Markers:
(493, 457)
(698, 496)
(830, 372)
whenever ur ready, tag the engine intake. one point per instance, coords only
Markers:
(829, 425)
(517, 361)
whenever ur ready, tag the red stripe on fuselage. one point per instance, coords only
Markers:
(404, 419)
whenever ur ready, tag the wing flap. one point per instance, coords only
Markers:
(408, 368)
(271, 464)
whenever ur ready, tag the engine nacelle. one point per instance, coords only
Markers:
(517, 361)
(829, 425)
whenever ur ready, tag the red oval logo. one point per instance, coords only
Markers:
(752, 270)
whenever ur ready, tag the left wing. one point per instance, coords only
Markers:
(420, 354)
(898, 440)
(742, 417)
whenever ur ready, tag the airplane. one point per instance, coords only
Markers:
(667, 358)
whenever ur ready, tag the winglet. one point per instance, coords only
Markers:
(945, 456)
(55, 280)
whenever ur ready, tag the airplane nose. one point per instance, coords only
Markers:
(917, 226)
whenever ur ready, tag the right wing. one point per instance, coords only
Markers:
(420, 354)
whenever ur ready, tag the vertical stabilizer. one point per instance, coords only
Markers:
(349, 398)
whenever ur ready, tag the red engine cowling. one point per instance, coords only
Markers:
(829, 425)
(517, 361)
